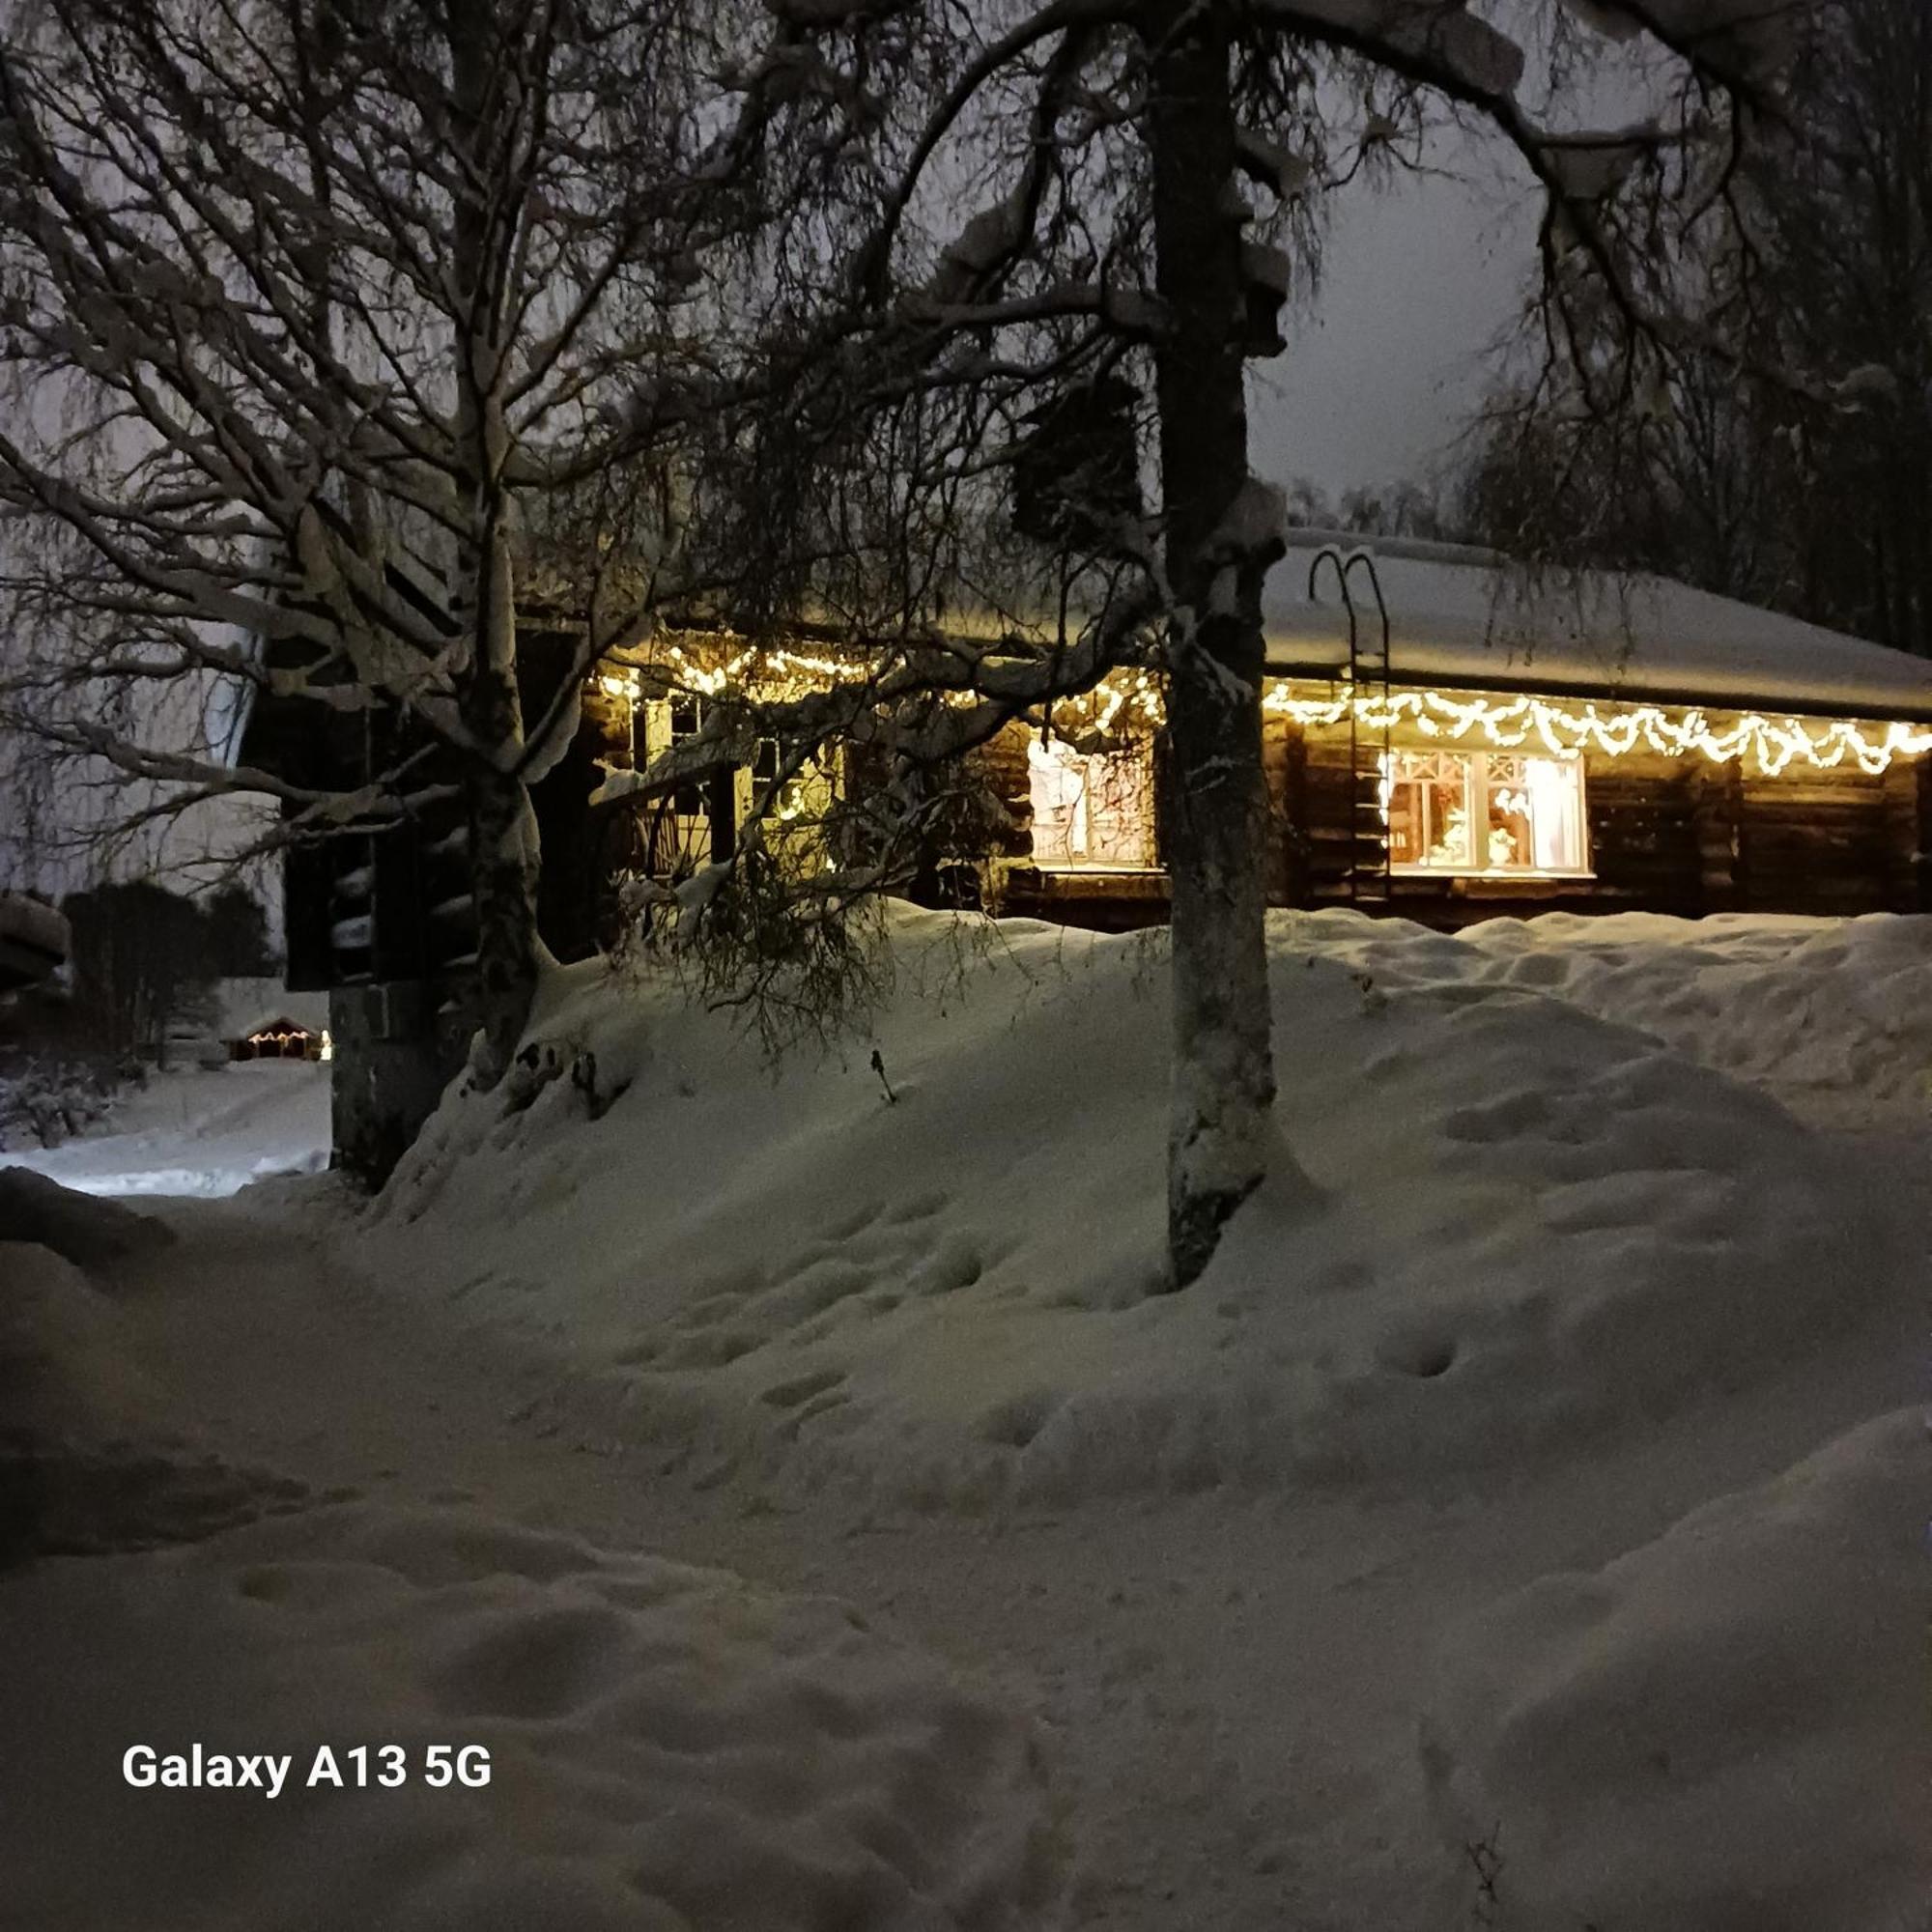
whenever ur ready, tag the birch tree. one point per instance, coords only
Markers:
(1137, 167)
(331, 334)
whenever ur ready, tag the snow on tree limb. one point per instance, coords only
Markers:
(1286, 173)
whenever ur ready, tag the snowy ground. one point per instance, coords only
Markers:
(659, 1746)
(1549, 1486)
(199, 1131)
(1533, 1222)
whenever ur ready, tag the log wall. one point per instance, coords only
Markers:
(1678, 836)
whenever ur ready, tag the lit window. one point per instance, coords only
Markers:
(793, 796)
(687, 721)
(677, 825)
(1091, 810)
(1484, 813)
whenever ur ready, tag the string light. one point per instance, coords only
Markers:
(1508, 723)
(765, 668)
(1134, 697)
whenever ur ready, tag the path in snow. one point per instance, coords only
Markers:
(199, 1130)
(1555, 1186)
(1233, 1680)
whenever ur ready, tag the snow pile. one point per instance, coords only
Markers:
(1533, 1225)
(1725, 1727)
(91, 1457)
(88, 1232)
(63, 1372)
(34, 940)
(667, 1748)
(207, 1131)
(1832, 1015)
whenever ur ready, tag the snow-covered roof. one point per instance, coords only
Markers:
(249, 1006)
(1472, 619)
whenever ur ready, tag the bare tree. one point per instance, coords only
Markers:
(346, 336)
(1848, 221)
(142, 961)
(333, 334)
(1787, 456)
(1115, 148)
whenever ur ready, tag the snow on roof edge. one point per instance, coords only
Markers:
(1468, 618)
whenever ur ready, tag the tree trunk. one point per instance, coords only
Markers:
(503, 854)
(1221, 1123)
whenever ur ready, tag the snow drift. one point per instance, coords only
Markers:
(38, 1211)
(93, 1455)
(668, 1748)
(1535, 1222)
(1724, 1728)
(1831, 1015)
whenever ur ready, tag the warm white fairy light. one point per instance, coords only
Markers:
(756, 667)
(1134, 697)
(1507, 722)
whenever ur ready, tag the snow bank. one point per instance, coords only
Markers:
(667, 1748)
(1535, 1225)
(1831, 1015)
(202, 1131)
(35, 940)
(91, 1455)
(63, 1375)
(1724, 1728)
(38, 1209)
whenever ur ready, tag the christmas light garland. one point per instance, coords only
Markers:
(1508, 723)
(1505, 724)
(688, 672)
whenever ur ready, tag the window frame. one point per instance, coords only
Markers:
(656, 725)
(1141, 750)
(1476, 787)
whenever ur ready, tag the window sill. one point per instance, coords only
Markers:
(1449, 876)
(1100, 871)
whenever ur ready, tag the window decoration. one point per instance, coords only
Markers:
(676, 828)
(687, 721)
(1489, 813)
(1091, 810)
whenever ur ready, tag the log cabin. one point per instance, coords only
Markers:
(1447, 737)
(1450, 737)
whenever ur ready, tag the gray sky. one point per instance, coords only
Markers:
(1384, 367)
(1420, 276)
